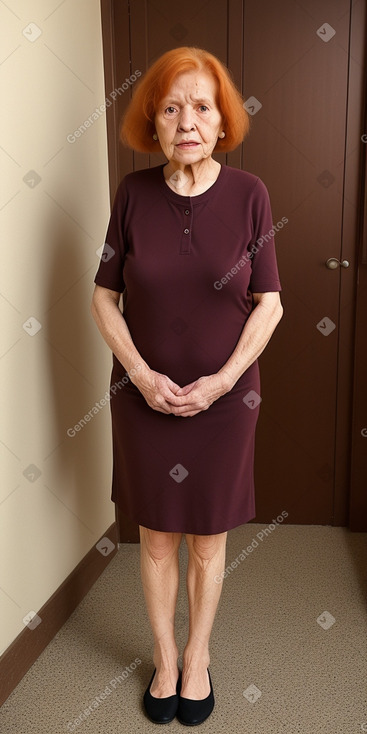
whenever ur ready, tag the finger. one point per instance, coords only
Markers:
(165, 404)
(174, 387)
(191, 401)
(189, 409)
(186, 389)
(162, 409)
(168, 394)
(176, 400)
(179, 409)
(160, 404)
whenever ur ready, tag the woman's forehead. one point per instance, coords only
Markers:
(198, 85)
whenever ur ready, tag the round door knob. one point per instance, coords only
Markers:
(332, 263)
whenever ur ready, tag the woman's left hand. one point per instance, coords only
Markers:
(200, 394)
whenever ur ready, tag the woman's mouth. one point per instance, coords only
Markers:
(187, 144)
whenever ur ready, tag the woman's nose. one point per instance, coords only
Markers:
(186, 121)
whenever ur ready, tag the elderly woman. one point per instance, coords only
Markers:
(190, 246)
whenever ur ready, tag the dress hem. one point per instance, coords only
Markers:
(188, 532)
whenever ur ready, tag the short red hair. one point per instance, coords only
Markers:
(138, 122)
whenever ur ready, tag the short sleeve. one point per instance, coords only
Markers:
(110, 271)
(265, 276)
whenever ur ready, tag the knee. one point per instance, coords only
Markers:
(206, 547)
(159, 545)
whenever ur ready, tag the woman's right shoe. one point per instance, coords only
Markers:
(192, 712)
(161, 710)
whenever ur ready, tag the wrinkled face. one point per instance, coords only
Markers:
(188, 120)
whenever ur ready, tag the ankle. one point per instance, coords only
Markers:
(165, 658)
(195, 658)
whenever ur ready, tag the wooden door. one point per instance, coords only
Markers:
(294, 72)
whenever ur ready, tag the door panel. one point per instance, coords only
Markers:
(297, 147)
(301, 147)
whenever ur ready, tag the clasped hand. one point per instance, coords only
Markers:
(164, 395)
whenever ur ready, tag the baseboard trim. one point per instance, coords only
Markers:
(29, 644)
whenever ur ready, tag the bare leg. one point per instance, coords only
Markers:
(159, 564)
(206, 561)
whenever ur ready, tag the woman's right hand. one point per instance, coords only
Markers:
(158, 390)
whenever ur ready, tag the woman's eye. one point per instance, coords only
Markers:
(203, 106)
(170, 110)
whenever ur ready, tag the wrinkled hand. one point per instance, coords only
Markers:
(165, 396)
(200, 394)
(158, 390)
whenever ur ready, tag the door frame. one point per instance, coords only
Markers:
(351, 349)
(358, 476)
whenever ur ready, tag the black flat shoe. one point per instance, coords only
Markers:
(191, 712)
(161, 710)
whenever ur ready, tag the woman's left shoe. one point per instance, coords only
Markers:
(191, 712)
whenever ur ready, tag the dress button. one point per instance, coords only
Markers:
(187, 211)
(186, 231)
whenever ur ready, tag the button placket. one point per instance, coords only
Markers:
(186, 232)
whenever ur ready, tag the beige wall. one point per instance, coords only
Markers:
(52, 223)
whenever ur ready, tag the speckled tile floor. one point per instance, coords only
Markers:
(288, 648)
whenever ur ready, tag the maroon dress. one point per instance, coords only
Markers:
(187, 268)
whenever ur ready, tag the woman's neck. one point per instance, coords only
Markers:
(193, 179)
